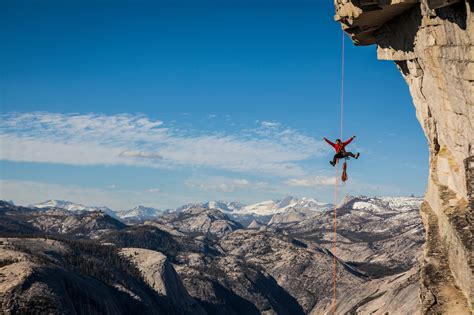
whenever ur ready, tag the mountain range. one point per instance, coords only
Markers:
(199, 260)
(238, 211)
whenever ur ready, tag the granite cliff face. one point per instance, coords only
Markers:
(432, 43)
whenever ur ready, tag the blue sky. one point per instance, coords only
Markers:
(167, 102)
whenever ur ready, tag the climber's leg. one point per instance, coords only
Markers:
(355, 156)
(336, 157)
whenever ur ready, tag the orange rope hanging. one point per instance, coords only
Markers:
(336, 190)
(334, 264)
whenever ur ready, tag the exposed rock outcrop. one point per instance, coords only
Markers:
(432, 43)
(255, 225)
(43, 276)
(161, 276)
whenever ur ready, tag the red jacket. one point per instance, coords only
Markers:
(339, 147)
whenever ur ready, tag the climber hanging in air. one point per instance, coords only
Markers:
(340, 148)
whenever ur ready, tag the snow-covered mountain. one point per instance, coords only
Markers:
(200, 220)
(223, 206)
(271, 207)
(286, 210)
(71, 206)
(139, 213)
(264, 208)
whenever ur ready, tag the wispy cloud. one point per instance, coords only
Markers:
(154, 190)
(27, 192)
(221, 184)
(269, 124)
(97, 139)
(140, 154)
(313, 181)
(30, 192)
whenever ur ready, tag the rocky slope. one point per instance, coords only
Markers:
(161, 276)
(431, 42)
(44, 276)
(382, 238)
(378, 235)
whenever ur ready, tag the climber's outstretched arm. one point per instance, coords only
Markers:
(329, 142)
(349, 141)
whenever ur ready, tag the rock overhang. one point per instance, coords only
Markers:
(362, 19)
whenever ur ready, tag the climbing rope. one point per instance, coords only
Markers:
(336, 190)
(334, 264)
(342, 82)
